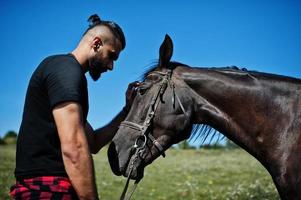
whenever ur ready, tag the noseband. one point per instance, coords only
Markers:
(145, 133)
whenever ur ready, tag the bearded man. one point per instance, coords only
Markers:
(55, 141)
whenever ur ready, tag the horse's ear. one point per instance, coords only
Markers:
(166, 50)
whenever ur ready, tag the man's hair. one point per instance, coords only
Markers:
(94, 21)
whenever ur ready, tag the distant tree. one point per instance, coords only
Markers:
(10, 137)
(231, 145)
(2, 142)
(10, 134)
(212, 146)
(185, 145)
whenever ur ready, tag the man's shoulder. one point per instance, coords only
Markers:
(61, 62)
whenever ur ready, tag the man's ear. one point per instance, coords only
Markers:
(97, 42)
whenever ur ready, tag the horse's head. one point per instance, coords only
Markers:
(159, 117)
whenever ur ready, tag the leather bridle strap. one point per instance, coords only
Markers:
(143, 129)
(151, 113)
(123, 195)
(147, 122)
(172, 86)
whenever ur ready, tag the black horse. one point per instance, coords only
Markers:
(258, 111)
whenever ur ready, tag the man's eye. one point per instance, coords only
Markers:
(113, 56)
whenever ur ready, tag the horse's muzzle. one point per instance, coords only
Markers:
(113, 159)
(122, 166)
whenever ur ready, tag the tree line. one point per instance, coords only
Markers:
(228, 145)
(9, 138)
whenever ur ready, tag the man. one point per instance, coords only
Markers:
(55, 142)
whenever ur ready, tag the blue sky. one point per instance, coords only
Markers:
(259, 35)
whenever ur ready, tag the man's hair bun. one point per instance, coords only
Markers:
(94, 20)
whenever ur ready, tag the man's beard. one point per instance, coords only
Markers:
(95, 68)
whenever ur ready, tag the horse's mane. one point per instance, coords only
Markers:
(175, 64)
(203, 131)
(154, 66)
(231, 68)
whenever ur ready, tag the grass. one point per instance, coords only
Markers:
(7, 164)
(183, 174)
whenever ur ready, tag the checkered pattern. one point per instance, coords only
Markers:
(43, 188)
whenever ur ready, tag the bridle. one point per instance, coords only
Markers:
(144, 129)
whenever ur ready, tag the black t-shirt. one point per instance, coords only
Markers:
(57, 79)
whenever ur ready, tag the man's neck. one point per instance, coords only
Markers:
(81, 58)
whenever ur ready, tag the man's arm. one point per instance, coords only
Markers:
(102, 136)
(75, 151)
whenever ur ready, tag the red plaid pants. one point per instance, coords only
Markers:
(43, 188)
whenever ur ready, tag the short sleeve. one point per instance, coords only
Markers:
(65, 81)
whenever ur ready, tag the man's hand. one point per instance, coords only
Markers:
(131, 94)
(102, 136)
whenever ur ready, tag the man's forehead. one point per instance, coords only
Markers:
(116, 46)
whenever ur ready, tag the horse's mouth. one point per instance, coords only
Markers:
(135, 172)
(133, 168)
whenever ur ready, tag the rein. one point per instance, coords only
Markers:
(146, 135)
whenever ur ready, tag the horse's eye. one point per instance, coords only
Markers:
(153, 78)
(142, 91)
(144, 87)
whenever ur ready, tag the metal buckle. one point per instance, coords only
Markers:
(140, 145)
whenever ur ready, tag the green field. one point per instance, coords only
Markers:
(183, 174)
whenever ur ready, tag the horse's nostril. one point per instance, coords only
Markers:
(112, 153)
(113, 159)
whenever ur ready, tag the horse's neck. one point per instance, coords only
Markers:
(240, 106)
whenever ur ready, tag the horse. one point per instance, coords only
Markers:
(258, 111)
